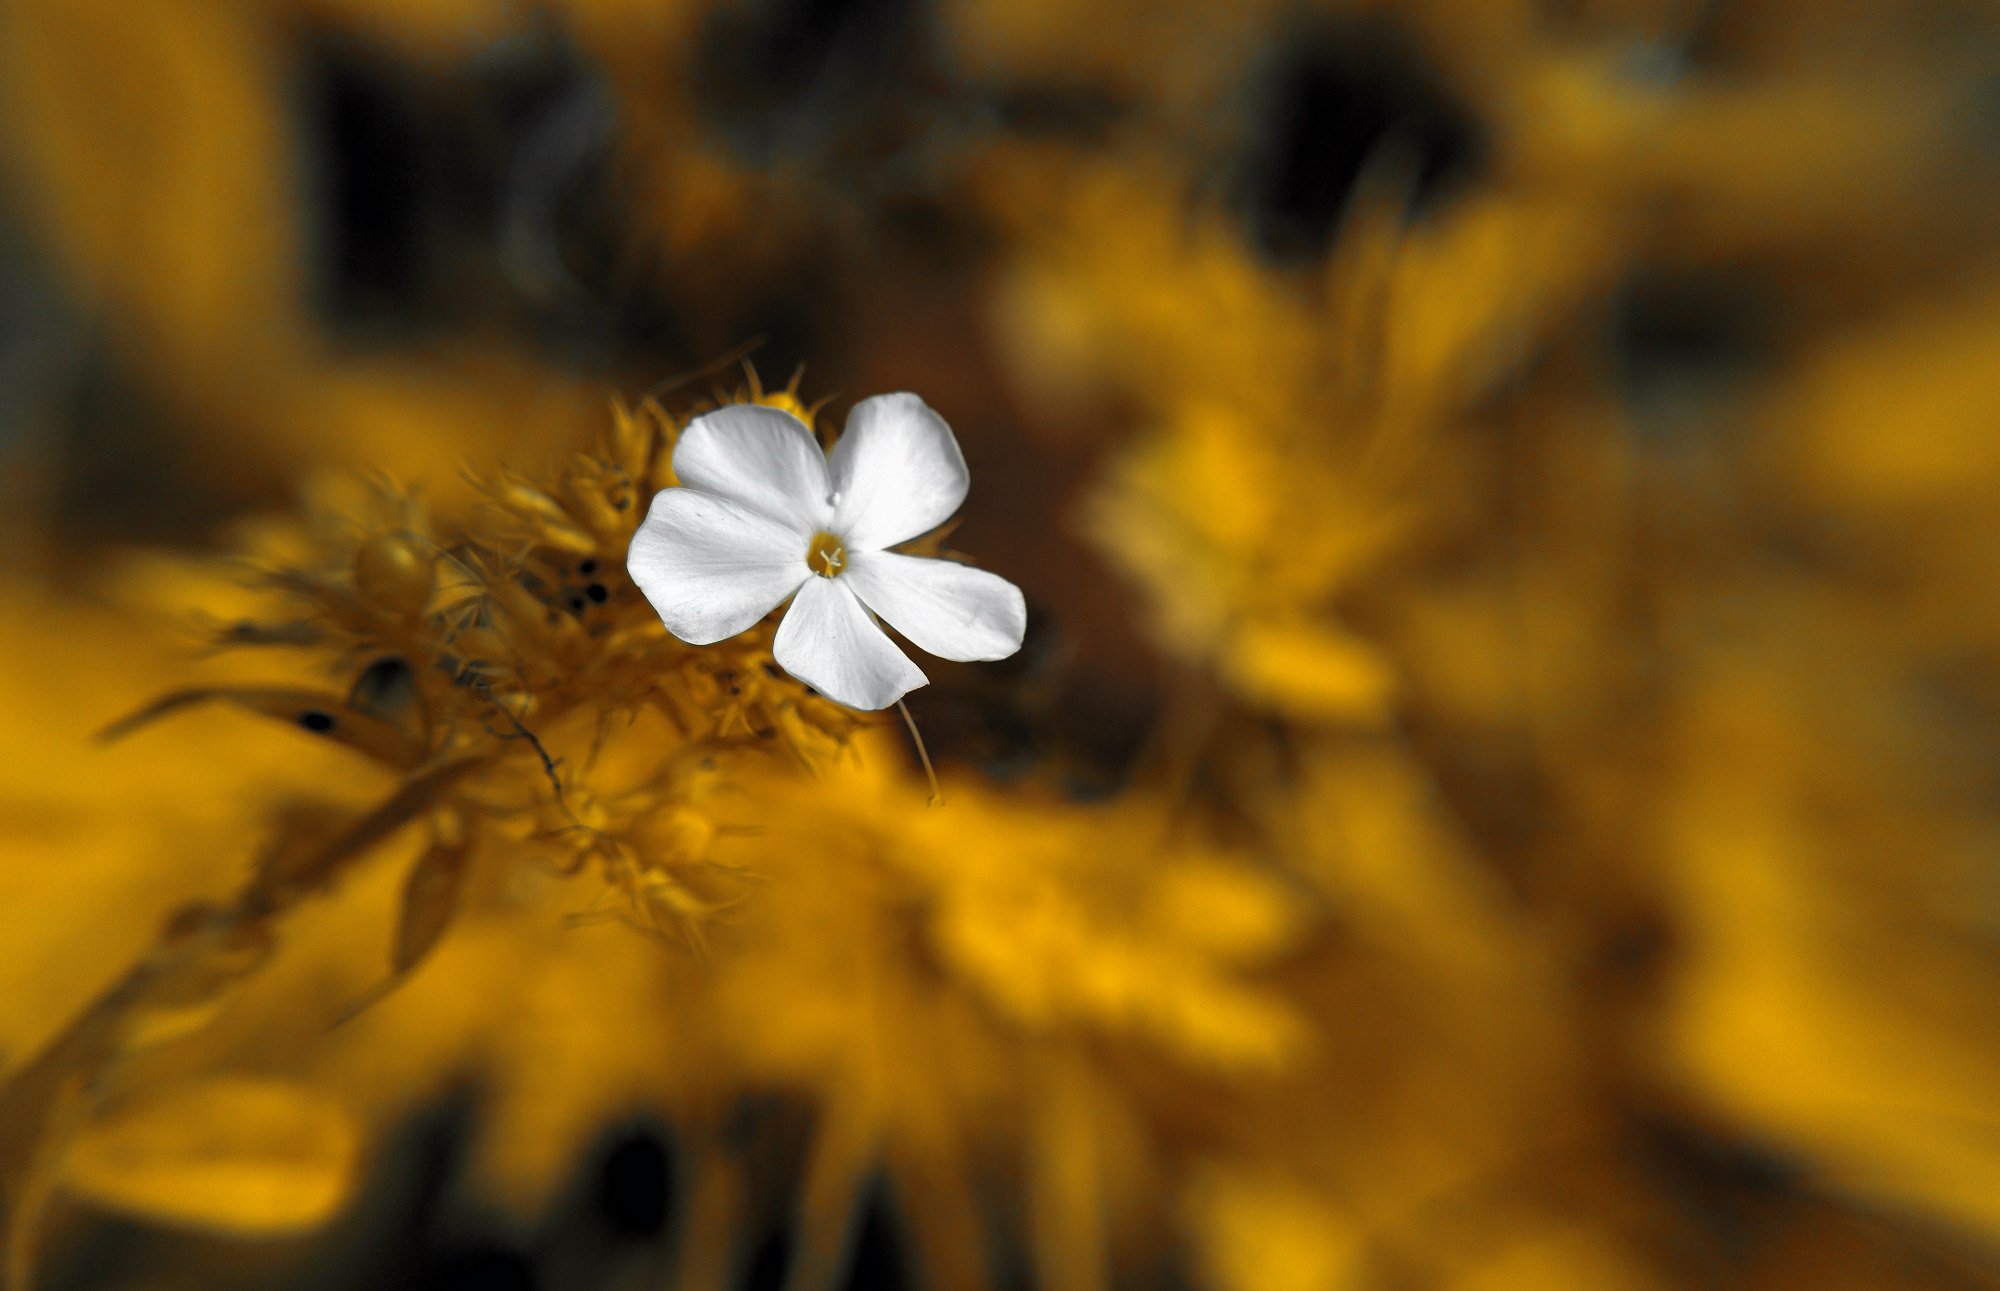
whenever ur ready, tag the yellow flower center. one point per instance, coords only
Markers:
(826, 555)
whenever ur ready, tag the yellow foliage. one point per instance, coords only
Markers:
(1498, 792)
(244, 1156)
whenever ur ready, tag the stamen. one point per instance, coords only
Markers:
(826, 555)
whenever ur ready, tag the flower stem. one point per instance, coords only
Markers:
(923, 754)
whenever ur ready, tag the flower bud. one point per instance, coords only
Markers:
(395, 573)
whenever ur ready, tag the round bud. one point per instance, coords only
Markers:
(395, 573)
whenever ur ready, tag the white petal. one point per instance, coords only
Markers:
(828, 642)
(953, 611)
(711, 566)
(897, 472)
(765, 459)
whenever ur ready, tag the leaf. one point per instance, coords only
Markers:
(321, 863)
(309, 710)
(242, 1155)
(430, 900)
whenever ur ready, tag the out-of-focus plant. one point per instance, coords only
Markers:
(1495, 792)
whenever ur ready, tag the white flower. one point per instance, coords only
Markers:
(763, 514)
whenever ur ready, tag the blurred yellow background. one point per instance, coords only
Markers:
(1502, 789)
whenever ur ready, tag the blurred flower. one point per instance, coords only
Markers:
(1017, 993)
(761, 511)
